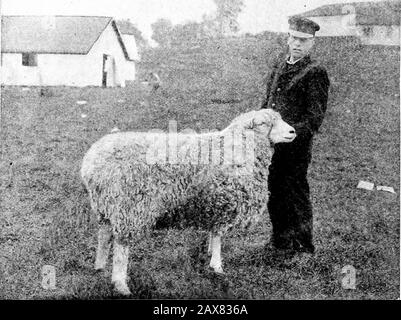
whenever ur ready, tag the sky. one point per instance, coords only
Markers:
(257, 15)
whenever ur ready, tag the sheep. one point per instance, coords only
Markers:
(138, 181)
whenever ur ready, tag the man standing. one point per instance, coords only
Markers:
(298, 90)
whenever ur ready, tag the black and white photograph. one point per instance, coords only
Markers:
(208, 150)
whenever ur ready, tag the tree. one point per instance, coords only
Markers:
(188, 32)
(227, 15)
(162, 29)
(210, 25)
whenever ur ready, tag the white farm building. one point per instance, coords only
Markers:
(65, 51)
(375, 23)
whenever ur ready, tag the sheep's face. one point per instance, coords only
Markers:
(281, 131)
(268, 123)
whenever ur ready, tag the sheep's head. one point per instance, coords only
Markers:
(281, 131)
(266, 122)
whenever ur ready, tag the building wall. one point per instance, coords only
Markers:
(130, 44)
(335, 25)
(70, 69)
(14, 73)
(380, 35)
(344, 25)
(108, 44)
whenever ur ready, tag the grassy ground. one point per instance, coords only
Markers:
(45, 217)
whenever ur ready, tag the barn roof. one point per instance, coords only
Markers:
(54, 34)
(367, 13)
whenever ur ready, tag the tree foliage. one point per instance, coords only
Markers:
(162, 29)
(227, 15)
(188, 32)
(220, 23)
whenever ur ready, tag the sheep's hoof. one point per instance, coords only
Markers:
(99, 268)
(218, 270)
(122, 288)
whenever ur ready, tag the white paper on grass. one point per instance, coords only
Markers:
(83, 115)
(385, 188)
(365, 185)
(81, 102)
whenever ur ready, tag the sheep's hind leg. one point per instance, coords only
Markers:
(209, 247)
(120, 267)
(215, 261)
(103, 245)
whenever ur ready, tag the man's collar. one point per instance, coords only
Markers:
(293, 62)
(303, 59)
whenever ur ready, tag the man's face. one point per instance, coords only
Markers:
(299, 47)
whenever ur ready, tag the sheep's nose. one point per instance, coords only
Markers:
(292, 131)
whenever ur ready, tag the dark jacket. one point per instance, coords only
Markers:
(301, 99)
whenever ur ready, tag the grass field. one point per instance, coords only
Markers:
(45, 217)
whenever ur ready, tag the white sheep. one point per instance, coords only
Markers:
(141, 180)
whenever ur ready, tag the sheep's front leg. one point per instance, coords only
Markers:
(215, 261)
(103, 245)
(120, 266)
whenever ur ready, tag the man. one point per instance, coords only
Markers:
(298, 90)
(154, 81)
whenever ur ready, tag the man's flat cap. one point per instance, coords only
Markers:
(302, 27)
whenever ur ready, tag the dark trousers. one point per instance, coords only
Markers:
(289, 203)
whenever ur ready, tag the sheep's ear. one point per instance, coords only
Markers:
(258, 119)
(252, 123)
(250, 120)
